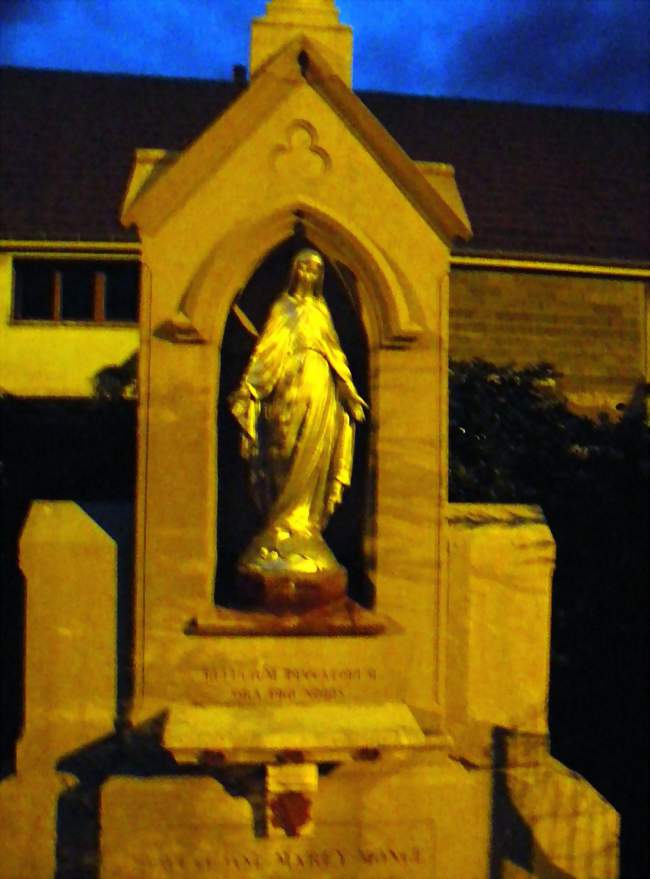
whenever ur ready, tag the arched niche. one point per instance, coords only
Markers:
(387, 305)
(391, 317)
(237, 518)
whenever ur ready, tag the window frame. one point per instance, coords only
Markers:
(57, 263)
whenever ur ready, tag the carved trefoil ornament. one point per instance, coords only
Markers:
(301, 153)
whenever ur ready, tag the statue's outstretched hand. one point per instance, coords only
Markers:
(355, 404)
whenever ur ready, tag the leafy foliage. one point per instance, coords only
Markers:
(513, 439)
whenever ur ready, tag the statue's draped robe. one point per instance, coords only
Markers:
(296, 432)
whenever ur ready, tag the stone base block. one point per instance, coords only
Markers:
(381, 821)
(412, 817)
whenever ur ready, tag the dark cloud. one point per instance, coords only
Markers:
(12, 11)
(573, 52)
(165, 37)
(569, 52)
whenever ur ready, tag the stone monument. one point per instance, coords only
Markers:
(367, 703)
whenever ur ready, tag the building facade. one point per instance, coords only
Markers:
(556, 271)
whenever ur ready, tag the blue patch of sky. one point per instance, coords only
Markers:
(573, 52)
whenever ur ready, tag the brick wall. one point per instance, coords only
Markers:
(592, 329)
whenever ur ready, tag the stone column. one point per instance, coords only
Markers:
(69, 564)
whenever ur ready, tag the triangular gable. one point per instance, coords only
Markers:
(298, 62)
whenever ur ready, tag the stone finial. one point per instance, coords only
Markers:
(310, 12)
(319, 19)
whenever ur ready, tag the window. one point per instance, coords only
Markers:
(76, 290)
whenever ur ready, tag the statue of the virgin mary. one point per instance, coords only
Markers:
(296, 406)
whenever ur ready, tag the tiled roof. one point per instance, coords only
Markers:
(544, 181)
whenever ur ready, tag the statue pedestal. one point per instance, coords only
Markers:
(276, 603)
(339, 618)
(293, 592)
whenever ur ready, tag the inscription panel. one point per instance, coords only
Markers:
(190, 828)
(399, 850)
(283, 684)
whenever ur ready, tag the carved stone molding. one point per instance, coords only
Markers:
(179, 329)
(300, 153)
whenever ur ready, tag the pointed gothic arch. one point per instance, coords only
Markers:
(387, 305)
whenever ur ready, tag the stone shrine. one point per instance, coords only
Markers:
(390, 725)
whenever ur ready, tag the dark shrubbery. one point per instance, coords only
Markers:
(512, 439)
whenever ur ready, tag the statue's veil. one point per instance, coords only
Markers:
(307, 253)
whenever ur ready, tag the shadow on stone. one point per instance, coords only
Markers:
(137, 753)
(77, 833)
(116, 518)
(511, 837)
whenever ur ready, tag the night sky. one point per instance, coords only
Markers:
(589, 53)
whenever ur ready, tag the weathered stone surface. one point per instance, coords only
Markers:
(265, 731)
(501, 560)
(28, 817)
(69, 564)
(70, 668)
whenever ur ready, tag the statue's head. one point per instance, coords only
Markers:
(307, 272)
